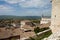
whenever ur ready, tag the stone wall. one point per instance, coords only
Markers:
(55, 19)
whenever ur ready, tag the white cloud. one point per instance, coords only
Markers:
(29, 3)
(3, 7)
(6, 8)
(32, 3)
(12, 1)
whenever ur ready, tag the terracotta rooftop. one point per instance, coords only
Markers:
(44, 25)
(28, 27)
(6, 33)
(25, 21)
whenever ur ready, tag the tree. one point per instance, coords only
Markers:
(37, 30)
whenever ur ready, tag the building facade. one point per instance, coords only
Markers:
(45, 20)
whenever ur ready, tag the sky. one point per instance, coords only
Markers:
(25, 7)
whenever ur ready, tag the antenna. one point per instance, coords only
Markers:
(42, 16)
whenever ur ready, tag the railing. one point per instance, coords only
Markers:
(43, 31)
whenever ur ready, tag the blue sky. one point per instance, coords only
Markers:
(25, 7)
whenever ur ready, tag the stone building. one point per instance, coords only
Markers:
(26, 22)
(45, 20)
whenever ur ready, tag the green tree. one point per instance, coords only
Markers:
(37, 30)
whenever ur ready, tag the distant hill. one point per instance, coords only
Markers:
(19, 17)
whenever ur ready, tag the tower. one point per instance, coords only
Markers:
(55, 19)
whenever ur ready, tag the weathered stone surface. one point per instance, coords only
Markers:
(55, 21)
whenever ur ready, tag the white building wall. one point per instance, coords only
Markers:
(45, 20)
(22, 24)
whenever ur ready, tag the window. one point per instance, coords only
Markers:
(55, 15)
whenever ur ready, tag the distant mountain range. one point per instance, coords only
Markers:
(19, 17)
